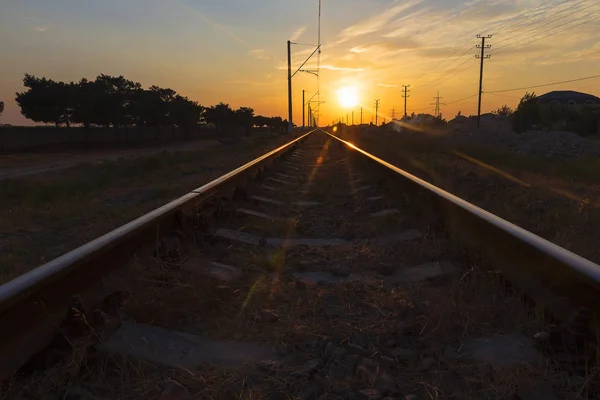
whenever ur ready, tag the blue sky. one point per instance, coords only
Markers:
(234, 50)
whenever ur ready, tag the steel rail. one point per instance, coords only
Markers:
(33, 305)
(566, 284)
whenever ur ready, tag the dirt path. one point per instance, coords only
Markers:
(20, 165)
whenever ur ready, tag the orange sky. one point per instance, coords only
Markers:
(235, 50)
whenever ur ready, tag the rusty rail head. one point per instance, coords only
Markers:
(543, 269)
(32, 305)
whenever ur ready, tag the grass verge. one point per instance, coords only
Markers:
(44, 216)
(555, 200)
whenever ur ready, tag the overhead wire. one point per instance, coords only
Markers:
(441, 78)
(545, 17)
(463, 99)
(444, 73)
(545, 84)
(436, 68)
(502, 95)
(548, 23)
(525, 19)
(447, 57)
(495, 51)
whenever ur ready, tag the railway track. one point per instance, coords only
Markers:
(315, 272)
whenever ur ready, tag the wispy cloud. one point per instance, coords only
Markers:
(336, 68)
(359, 50)
(259, 54)
(387, 85)
(216, 25)
(297, 33)
(376, 22)
(41, 28)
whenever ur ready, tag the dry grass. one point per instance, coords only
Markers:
(426, 318)
(554, 200)
(372, 320)
(45, 216)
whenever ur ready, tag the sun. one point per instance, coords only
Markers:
(348, 97)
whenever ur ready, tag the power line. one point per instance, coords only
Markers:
(545, 18)
(525, 12)
(452, 102)
(447, 57)
(551, 22)
(463, 99)
(304, 44)
(441, 78)
(443, 74)
(502, 95)
(545, 84)
(437, 67)
(552, 34)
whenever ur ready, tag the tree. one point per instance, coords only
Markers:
(151, 107)
(220, 115)
(114, 101)
(278, 124)
(245, 118)
(86, 94)
(1, 107)
(261, 121)
(184, 112)
(504, 111)
(46, 100)
(527, 113)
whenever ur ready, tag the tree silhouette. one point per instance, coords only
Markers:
(244, 117)
(261, 121)
(46, 100)
(185, 113)
(114, 101)
(504, 111)
(1, 107)
(119, 102)
(527, 113)
(220, 115)
(152, 107)
(85, 97)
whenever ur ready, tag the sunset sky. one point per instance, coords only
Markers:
(235, 50)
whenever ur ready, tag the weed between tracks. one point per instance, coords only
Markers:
(413, 325)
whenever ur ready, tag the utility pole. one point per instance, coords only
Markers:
(437, 104)
(406, 96)
(290, 110)
(376, 111)
(482, 46)
(346, 119)
(393, 113)
(303, 107)
(361, 115)
(352, 117)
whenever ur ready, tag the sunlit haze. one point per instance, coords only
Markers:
(235, 50)
(348, 97)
